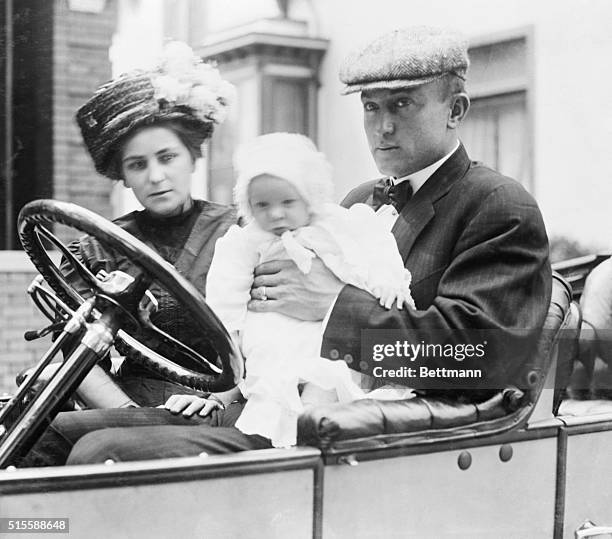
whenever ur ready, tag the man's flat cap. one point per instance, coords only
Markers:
(405, 57)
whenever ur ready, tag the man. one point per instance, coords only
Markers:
(474, 241)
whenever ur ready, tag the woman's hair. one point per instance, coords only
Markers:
(191, 135)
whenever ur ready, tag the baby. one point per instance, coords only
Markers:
(283, 190)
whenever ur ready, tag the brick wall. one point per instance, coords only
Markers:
(81, 43)
(17, 315)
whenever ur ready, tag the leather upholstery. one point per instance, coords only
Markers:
(329, 426)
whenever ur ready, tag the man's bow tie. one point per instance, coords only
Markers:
(385, 192)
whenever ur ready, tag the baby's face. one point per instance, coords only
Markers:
(276, 205)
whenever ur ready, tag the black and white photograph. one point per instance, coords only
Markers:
(305, 269)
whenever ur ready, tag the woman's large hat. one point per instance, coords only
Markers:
(181, 88)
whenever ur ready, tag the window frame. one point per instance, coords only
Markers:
(509, 87)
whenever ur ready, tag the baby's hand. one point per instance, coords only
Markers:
(387, 295)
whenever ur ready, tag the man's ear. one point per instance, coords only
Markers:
(460, 104)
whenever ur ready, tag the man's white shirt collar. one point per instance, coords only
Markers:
(418, 178)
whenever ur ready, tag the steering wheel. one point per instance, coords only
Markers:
(196, 371)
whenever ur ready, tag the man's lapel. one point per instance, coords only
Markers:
(419, 210)
(410, 223)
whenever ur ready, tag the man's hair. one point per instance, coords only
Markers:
(449, 85)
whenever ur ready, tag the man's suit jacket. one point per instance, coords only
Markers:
(477, 248)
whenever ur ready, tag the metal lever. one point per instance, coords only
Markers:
(73, 326)
(37, 334)
(589, 529)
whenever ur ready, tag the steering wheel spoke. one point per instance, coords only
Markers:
(82, 271)
(197, 371)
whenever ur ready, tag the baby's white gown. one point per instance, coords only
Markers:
(282, 351)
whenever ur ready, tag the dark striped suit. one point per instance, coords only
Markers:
(477, 248)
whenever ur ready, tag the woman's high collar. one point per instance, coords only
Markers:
(158, 221)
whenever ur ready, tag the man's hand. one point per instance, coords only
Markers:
(279, 286)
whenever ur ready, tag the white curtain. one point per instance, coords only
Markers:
(495, 132)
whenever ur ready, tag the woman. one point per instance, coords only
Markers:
(146, 129)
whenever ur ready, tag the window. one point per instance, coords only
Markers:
(497, 129)
(286, 105)
(496, 134)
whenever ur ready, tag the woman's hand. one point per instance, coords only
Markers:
(279, 286)
(191, 404)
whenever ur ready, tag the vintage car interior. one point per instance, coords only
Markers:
(531, 461)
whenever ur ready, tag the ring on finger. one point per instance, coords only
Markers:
(264, 297)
